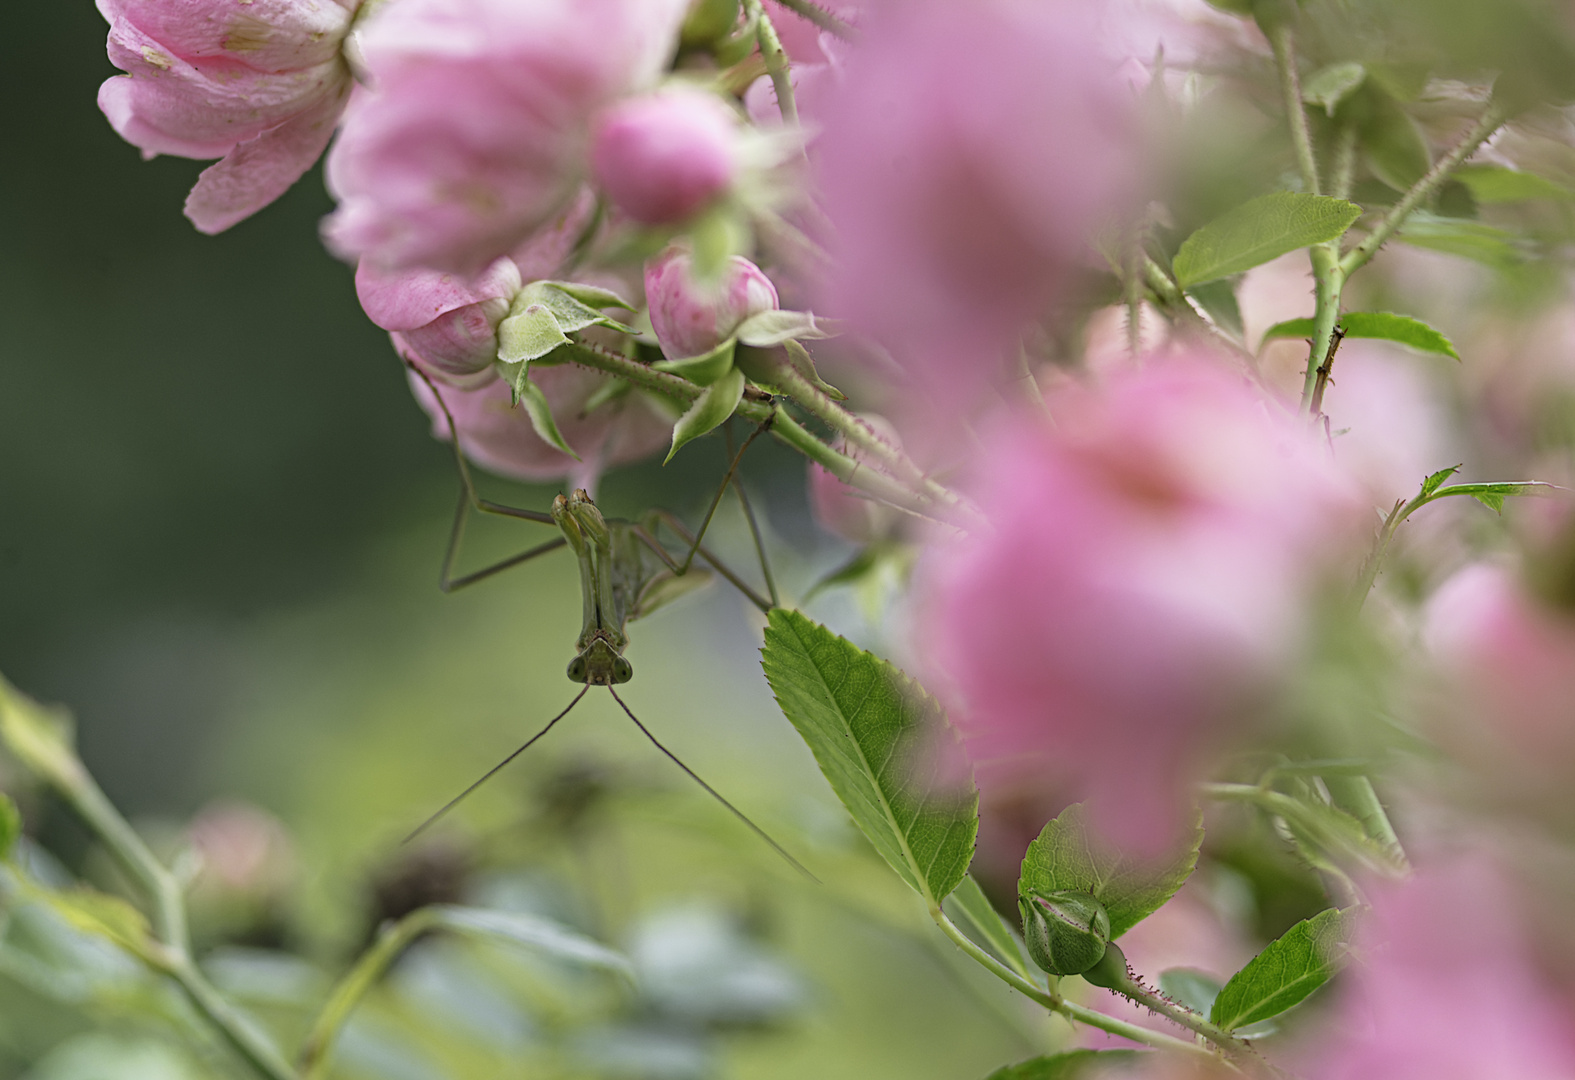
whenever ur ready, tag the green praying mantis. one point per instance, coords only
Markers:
(625, 573)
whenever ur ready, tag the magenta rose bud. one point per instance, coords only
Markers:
(441, 321)
(692, 317)
(663, 157)
(259, 85)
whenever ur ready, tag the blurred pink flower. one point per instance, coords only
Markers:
(259, 84)
(501, 439)
(662, 157)
(842, 509)
(968, 154)
(442, 322)
(1446, 990)
(1142, 581)
(692, 317)
(476, 131)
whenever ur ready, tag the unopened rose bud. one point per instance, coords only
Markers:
(662, 157)
(692, 317)
(447, 325)
(1066, 932)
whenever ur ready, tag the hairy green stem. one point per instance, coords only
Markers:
(820, 17)
(1186, 1018)
(776, 59)
(1491, 120)
(1328, 285)
(1282, 39)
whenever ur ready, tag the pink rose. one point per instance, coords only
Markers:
(1140, 585)
(447, 325)
(259, 84)
(500, 438)
(477, 129)
(661, 158)
(691, 317)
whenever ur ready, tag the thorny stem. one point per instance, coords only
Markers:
(34, 737)
(1283, 40)
(1186, 1018)
(820, 17)
(776, 59)
(1056, 1003)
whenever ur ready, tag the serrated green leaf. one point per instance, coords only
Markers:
(704, 369)
(775, 327)
(10, 825)
(1283, 975)
(1218, 298)
(1260, 230)
(1468, 239)
(1069, 1065)
(712, 407)
(1377, 325)
(1436, 480)
(537, 408)
(1066, 855)
(973, 909)
(1194, 989)
(1329, 86)
(532, 932)
(591, 296)
(871, 728)
(529, 335)
(1494, 184)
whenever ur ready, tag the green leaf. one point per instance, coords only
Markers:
(1304, 958)
(1495, 184)
(1468, 239)
(994, 932)
(1066, 855)
(1395, 149)
(1492, 495)
(532, 932)
(1436, 480)
(1218, 298)
(529, 335)
(1194, 989)
(1260, 230)
(1329, 86)
(712, 407)
(540, 412)
(101, 914)
(10, 826)
(591, 296)
(767, 328)
(40, 738)
(704, 369)
(1065, 1066)
(1379, 325)
(870, 728)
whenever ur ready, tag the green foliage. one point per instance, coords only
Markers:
(1329, 86)
(872, 731)
(528, 395)
(1066, 1066)
(1260, 230)
(1066, 856)
(1066, 932)
(531, 932)
(968, 905)
(1283, 975)
(714, 405)
(1491, 184)
(1218, 298)
(1394, 147)
(10, 826)
(1472, 240)
(1196, 990)
(1382, 325)
(765, 329)
(704, 369)
(1436, 480)
(544, 313)
(1493, 494)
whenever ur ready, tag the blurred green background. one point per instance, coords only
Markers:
(221, 516)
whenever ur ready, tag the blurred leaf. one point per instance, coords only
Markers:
(1218, 298)
(1436, 480)
(1304, 958)
(1396, 151)
(804, 364)
(868, 725)
(1260, 230)
(1468, 239)
(1325, 830)
(10, 826)
(39, 738)
(1194, 989)
(704, 369)
(975, 909)
(775, 327)
(532, 932)
(1065, 1066)
(101, 914)
(1495, 184)
(713, 406)
(1381, 325)
(102, 1056)
(1329, 86)
(540, 412)
(1066, 855)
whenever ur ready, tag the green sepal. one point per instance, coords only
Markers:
(764, 329)
(592, 296)
(1330, 85)
(530, 335)
(804, 364)
(1111, 972)
(1377, 325)
(704, 369)
(1258, 231)
(544, 313)
(714, 405)
(10, 826)
(734, 50)
(605, 394)
(529, 395)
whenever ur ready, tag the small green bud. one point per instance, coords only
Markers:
(1111, 970)
(1066, 932)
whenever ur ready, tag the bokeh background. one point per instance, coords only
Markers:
(221, 517)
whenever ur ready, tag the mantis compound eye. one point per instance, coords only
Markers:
(623, 671)
(577, 669)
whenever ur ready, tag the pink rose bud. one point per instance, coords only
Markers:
(663, 157)
(259, 84)
(447, 325)
(691, 317)
(476, 130)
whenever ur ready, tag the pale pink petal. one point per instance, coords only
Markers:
(266, 35)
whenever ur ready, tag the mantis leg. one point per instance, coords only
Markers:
(754, 526)
(468, 500)
(668, 518)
